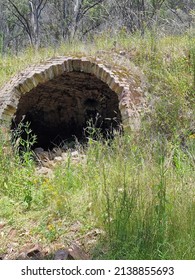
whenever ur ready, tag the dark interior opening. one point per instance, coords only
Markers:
(62, 108)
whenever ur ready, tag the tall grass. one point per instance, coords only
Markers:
(142, 198)
(145, 197)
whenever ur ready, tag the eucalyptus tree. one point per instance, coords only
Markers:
(27, 14)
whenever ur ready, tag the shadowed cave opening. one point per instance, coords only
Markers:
(61, 109)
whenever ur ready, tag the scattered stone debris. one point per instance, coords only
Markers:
(44, 171)
(123, 53)
(34, 253)
(47, 160)
(77, 248)
(77, 253)
(30, 252)
(61, 255)
(74, 252)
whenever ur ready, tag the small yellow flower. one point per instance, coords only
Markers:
(50, 227)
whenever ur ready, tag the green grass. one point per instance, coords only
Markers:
(138, 189)
(143, 199)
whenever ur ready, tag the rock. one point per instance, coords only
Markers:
(75, 160)
(48, 164)
(64, 156)
(68, 145)
(61, 255)
(44, 171)
(32, 252)
(122, 53)
(58, 159)
(42, 156)
(75, 154)
(77, 253)
(38, 150)
(57, 152)
(76, 226)
(22, 256)
(45, 155)
(65, 147)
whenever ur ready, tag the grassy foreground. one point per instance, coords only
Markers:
(136, 191)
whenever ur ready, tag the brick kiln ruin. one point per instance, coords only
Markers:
(59, 98)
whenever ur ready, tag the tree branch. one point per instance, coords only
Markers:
(91, 6)
(175, 13)
(41, 8)
(20, 17)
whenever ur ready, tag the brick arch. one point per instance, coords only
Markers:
(129, 94)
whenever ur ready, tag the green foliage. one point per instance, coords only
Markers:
(23, 138)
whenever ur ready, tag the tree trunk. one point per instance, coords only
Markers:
(75, 18)
(35, 22)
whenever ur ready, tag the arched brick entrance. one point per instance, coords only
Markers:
(62, 95)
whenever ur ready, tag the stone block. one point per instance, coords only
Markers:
(105, 75)
(49, 73)
(94, 68)
(7, 114)
(30, 83)
(86, 66)
(70, 66)
(76, 64)
(39, 78)
(55, 69)
(119, 89)
(100, 70)
(61, 68)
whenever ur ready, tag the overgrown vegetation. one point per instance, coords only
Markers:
(137, 189)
